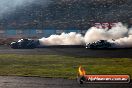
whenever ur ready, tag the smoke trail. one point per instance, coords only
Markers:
(120, 33)
(71, 38)
(125, 42)
(95, 34)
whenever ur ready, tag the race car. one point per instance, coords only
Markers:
(101, 44)
(25, 44)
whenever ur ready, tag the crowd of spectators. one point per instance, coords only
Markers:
(68, 13)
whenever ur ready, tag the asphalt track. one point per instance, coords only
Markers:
(37, 82)
(76, 52)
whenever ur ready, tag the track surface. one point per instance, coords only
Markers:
(36, 82)
(76, 52)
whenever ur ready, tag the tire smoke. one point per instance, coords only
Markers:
(121, 35)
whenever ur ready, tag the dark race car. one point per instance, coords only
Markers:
(101, 44)
(25, 44)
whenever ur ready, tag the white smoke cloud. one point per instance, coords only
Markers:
(71, 38)
(120, 33)
(95, 34)
(125, 42)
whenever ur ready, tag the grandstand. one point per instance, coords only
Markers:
(36, 21)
